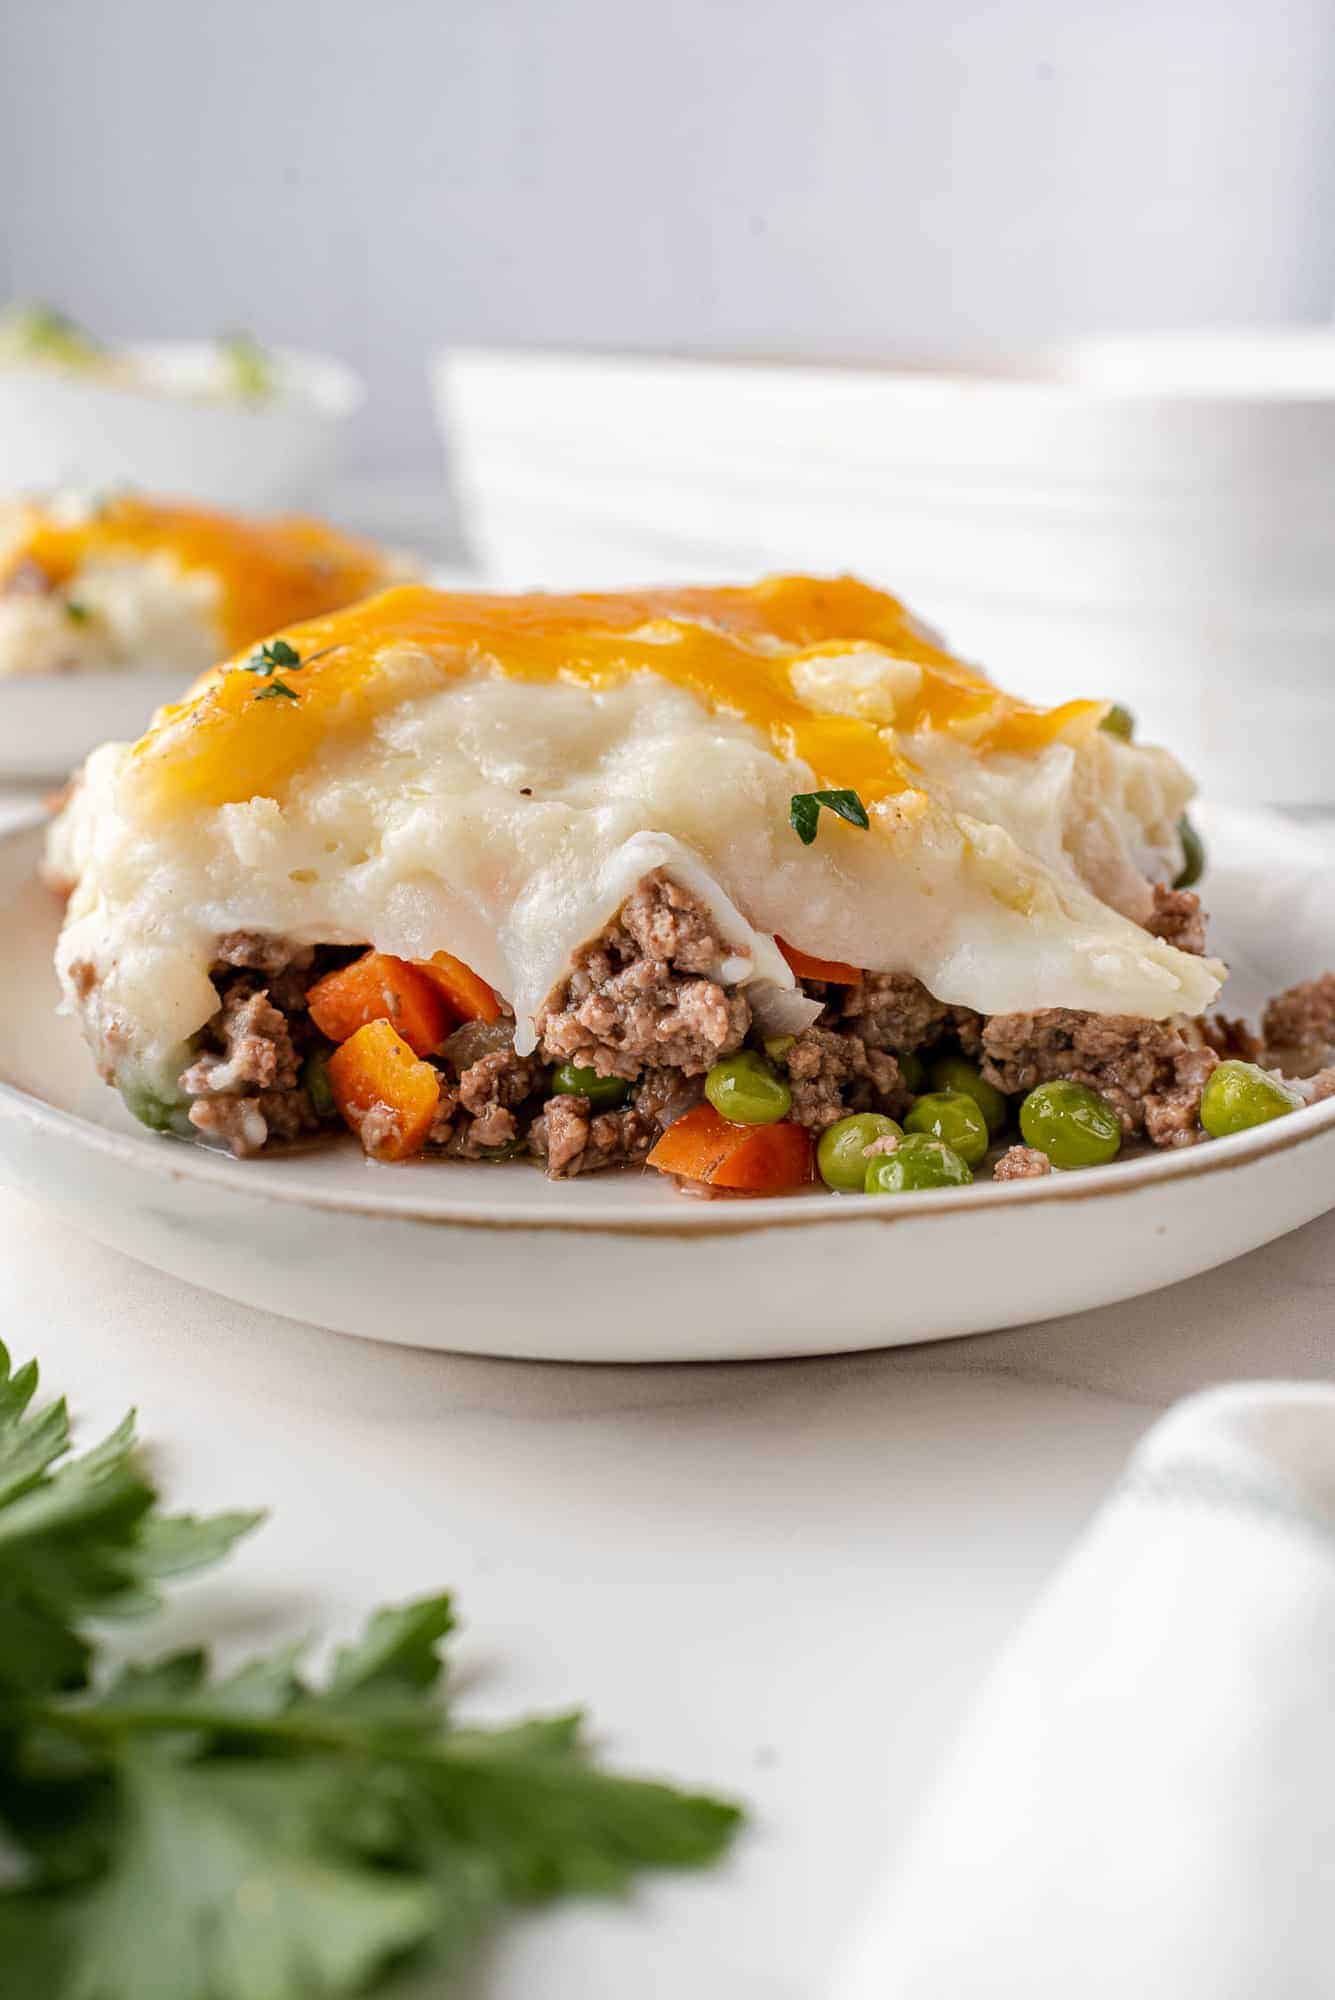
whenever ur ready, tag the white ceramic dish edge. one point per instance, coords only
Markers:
(65, 430)
(492, 1261)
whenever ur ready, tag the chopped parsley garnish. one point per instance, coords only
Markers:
(804, 811)
(268, 658)
(258, 1832)
(78, 614)
(41, 333)
(250, 370)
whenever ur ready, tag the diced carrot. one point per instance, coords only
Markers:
(759, 1159)
(384, 1092)
(470, 997)
(832, 970)
(378, 987)
(770, 1159)
(694, 1144)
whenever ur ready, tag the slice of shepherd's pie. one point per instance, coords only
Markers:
(752, 883)
(95, 585)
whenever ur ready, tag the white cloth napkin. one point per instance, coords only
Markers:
(1143, 1804)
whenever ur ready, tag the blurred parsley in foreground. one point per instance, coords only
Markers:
(169, 1835)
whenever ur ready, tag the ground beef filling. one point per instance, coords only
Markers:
(483, 1109)
(892, 1011)
(1177, 918)
(834, 1071)
(244, 1085)
(574, 1139)
(1022, 1163)
(1298, 1026)
(644, 1003)
(1151, 1072)
(646, 995)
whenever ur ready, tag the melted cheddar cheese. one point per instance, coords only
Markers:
(735, 650)
(269, 573)
(493, 776)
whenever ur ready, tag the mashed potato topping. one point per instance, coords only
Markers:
(491, 777)
(88, 585)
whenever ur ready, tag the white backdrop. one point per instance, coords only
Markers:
(377, 175)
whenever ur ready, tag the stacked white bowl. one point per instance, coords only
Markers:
(1149, 518)
(170, 429)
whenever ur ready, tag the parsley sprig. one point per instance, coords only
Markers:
(804, 811)
(248, 367)
(259, 1834)
(267, 659)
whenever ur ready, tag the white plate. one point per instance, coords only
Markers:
(497, 1260)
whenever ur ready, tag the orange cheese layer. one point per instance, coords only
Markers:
(731, 648)
(270, 573)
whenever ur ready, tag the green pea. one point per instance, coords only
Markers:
(1193, 855)
(1119, 721)
(1240, 1095)
(959, 1074)
(747, 1090)
(954, 1118)
(315, 1082)
(917, 1162)
(912, 1069)
(841, 1153)
(777, 1046)
(604, 1093)
(160, 1114)
(1071, 1123)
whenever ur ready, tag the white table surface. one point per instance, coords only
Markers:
(783, 1580)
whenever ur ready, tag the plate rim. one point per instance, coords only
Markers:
(167, 1158)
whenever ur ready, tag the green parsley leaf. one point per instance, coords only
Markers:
(249, 368)
(78, 1538)
(398, 1649)
(554, 1823)
(174, 1544)
(78, 614)
(804, 811)
(229, 1882)
(172, 1834)
(267, 659)
(40, 332)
